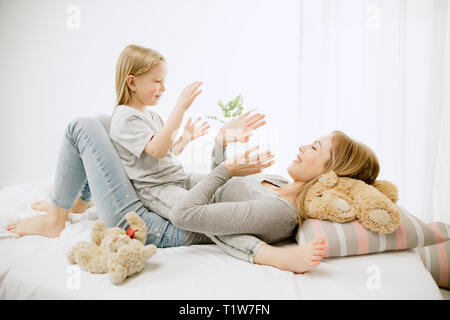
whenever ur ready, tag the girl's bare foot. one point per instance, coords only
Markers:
(47, 225)
(79, 206)
(303, 258)
(40, 205)
(298, 259)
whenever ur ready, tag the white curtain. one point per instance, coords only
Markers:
(379, 71)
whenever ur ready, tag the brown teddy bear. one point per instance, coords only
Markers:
(113, 250)
(342, 199)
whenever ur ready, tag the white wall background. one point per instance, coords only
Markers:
(52, 74)
(376, 69)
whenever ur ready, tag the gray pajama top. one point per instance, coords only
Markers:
(222, 205)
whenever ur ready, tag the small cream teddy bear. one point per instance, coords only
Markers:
(342, 199)
(113, 250)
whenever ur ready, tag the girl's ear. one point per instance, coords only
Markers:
(131, 82)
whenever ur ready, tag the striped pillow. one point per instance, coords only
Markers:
(351, 238)
(436, 260)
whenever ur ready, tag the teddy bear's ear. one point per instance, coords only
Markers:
(137, 225)
(387, 188)
(98, 232)
(328, 179)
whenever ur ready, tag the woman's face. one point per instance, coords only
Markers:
(311, 160)
(150, 85)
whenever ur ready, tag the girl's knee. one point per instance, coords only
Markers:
(103, 119)
(81, 125)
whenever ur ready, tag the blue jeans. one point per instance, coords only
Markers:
(87, 154)
(88, 166)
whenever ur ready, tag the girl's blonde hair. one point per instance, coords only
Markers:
(348, 158)
(134, 60)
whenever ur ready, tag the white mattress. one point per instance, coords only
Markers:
(35, 267)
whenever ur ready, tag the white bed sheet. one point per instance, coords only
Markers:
(36, 267)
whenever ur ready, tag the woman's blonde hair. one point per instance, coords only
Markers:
(134, 60)
(348, 158)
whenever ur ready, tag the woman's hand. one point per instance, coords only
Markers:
(245, 164)
(188, 95)
(196, 129)
(239, 129)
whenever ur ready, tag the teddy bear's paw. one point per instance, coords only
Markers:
(343, 210)
(380, 220)
(379, 217)
(117, 274)
(341, 205)
(80, 246)
(149, 250)
(331, 207)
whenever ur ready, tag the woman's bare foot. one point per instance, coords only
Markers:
(79, 206)
(298, 259)
(47, 225)
(303, 258)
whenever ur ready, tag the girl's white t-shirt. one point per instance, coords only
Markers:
(130, 131)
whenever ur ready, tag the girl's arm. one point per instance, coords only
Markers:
(179, 145)
(162, 141)
(192, 131)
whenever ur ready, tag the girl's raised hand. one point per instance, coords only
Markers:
(239, 129)
(245, 164)
(188, 95)
(196, 129)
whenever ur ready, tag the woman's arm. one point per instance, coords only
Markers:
(218, 154)
(240, 246)
(237, 130)
(194, 212)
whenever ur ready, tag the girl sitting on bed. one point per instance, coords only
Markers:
(234, 206)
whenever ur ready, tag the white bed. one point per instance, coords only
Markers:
(35, 267)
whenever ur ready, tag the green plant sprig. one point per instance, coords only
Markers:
(232, 109)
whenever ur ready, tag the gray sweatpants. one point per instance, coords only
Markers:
(161, 200)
